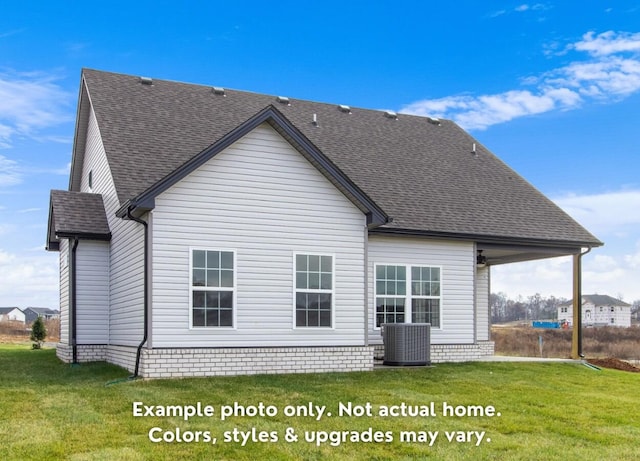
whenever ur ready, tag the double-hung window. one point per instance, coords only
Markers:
(212, 288)
(408, 294)
(314, 290)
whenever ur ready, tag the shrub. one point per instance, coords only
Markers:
(38, 333)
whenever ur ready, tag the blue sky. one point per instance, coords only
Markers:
(552, 88)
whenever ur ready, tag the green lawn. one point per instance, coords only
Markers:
(50, 411)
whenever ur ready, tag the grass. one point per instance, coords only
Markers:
(50, 411)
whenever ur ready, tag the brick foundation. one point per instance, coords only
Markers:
(443, 353)
(185, 362)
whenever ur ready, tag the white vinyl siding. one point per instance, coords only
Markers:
(92, 294)
(64, 291)
(457, 265)
(126, 265)
(266, 201)
(482, 304)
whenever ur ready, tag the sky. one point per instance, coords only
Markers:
(552, 88)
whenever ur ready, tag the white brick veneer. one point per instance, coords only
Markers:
(442, 353)
(184, 362)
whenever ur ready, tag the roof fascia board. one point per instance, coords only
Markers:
(488, 239)
(146, 201)
(80, 135)
(83, 235)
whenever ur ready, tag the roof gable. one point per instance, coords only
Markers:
(425, 175)
(279, 122)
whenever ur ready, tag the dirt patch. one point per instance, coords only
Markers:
(616, 364)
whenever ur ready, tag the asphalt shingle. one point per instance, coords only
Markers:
(422, 174)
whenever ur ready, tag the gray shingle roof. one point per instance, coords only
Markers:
(77, 214)
(422, 174)
(599, 300)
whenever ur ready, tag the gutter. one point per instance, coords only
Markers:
(146, 290)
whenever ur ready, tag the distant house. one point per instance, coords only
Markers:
(209, 231)
(8, 314)
(597, 311)
(32, 313)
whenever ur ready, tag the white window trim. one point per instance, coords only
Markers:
(408, 311)
(234, 290)
(332, 291)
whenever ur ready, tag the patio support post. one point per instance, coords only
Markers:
(576, 339)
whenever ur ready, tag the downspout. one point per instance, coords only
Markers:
(366, 286)
(74, 345)
(576, 343)
(146, 290)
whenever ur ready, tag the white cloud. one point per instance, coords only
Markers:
(29, 280)
(9, 172)
(607, 43)
(613, 213)
(29, 102)
(612, 269)
(611, 72)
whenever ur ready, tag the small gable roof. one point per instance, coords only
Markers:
(76, 215)
(6, 310)
(423, 176)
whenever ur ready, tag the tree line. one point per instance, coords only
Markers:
(536, 307)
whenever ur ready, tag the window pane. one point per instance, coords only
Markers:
(301, 280)
(226, 278)
(212, 299)
(401, 288)
(326, 265)
(426, 289)
(391, 272)
(402, 273)
(435, 274)
(380, 272)
(314, 280)
(415, 273)
(213, 278)
(198, 278)
(226, 318)
(325, 318)
(324, 301)
(325, 282)
(213, 259)
(301, 262)
(301, 300)
(391, 288)
(415, 288)
(226, 299)
(380, 288)
(212, 317)
(426, 311)
(301, 318)
(314, 263)
(435, 289)
(226, 260)
(198, 258)
(313, 318)
(198, 299)
(198, 318)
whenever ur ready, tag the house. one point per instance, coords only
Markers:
(209, 231)
(597, 311)
(11, 314)
(32, 313)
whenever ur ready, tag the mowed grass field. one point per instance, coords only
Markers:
(541, 411)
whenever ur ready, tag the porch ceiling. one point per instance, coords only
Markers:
(504, 253)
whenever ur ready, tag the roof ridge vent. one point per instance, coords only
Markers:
(146, 80)
(284, 100)
(391, 114)
(344, 108)
(434, 121)
(219, 90)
